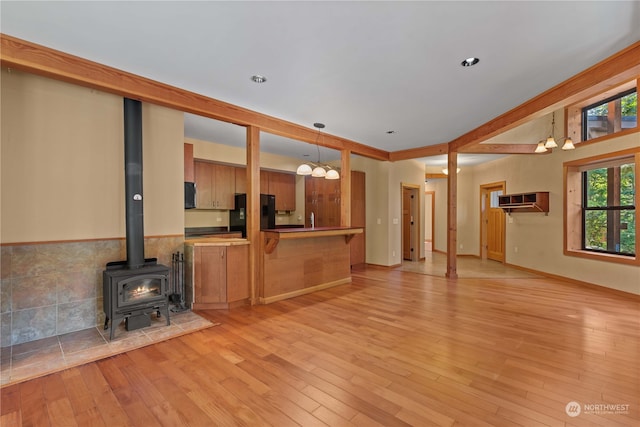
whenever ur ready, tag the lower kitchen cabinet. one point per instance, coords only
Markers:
(217, 276)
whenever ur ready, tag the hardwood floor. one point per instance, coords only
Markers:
(393, 348)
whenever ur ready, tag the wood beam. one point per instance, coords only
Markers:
(253, 208)
(345, 189)
(452, 216)
(434, 175)
(414, 153)
(499, 149)
(37, 59)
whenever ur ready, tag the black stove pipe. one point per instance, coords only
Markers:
(133, 182)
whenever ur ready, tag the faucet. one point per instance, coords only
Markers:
(312, 221)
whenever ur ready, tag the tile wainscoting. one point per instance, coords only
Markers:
(50, 289)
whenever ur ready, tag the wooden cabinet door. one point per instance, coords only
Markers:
(203, 180)
(264, 182)
(283, 186)
(241, 180)
(331, 211)
(224, 184)
(210, 281)
(238, 287)
(189, 173)
(310, 199)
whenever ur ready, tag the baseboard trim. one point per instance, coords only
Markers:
(574, 281)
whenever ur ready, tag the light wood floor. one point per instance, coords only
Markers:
(393, 348)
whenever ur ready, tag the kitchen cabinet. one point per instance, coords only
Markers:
(218, 275)
(241, 180)
(215, 185)
(282, 185)
(189, 172)
(322, 197)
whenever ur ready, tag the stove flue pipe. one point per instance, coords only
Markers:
(133, 183)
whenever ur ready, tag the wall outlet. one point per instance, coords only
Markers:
(219, 219)
(395, 220)
(515, 249)
(379, 221)
(461, 246)
(393, 254)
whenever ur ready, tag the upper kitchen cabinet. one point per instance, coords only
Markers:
(189, 172)
(241, 180)
(215, 185)
(282, 185)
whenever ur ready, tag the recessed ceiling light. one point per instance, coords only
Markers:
(258, 78)
(469, 62)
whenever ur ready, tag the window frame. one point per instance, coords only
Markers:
(585, 117)
(573, 207)
(610, 209)
(574, 113)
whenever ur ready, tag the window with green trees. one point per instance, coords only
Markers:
(610, 115)
(608, 207)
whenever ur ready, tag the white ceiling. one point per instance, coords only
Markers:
(363, 68)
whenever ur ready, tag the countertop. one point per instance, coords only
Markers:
(315, 231)
(216, 241)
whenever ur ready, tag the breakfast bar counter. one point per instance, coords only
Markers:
(296, 261)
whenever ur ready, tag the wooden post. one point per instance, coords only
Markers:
(452, 215)
(253, 207)
(345, 189)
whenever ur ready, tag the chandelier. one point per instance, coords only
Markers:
(550, 142)
(317, 169)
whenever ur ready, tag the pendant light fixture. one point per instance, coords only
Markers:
(318, 170)
(550, 142)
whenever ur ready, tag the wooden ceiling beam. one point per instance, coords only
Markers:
(499, 149)
(415, 153)
(37, 59)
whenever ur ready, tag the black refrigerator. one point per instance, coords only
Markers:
(238, 216)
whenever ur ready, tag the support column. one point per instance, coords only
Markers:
(452, 215)
(253, 207)
(345, 188)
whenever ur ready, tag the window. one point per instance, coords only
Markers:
(608, 208)
(610, 115)
(600, 207)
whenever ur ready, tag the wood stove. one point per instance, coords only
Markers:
(137, 287)
(133, 295)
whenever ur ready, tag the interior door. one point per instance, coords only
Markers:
(495, 226)
(406, 224)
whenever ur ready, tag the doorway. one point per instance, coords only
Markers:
(492, 222)
(410, 222)
(429, 220)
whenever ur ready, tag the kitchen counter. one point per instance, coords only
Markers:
(273, 237)
(216, 241)
(297, 261)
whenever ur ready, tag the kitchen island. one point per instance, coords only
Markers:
(296, 261)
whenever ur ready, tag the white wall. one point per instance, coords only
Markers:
(63, 163)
